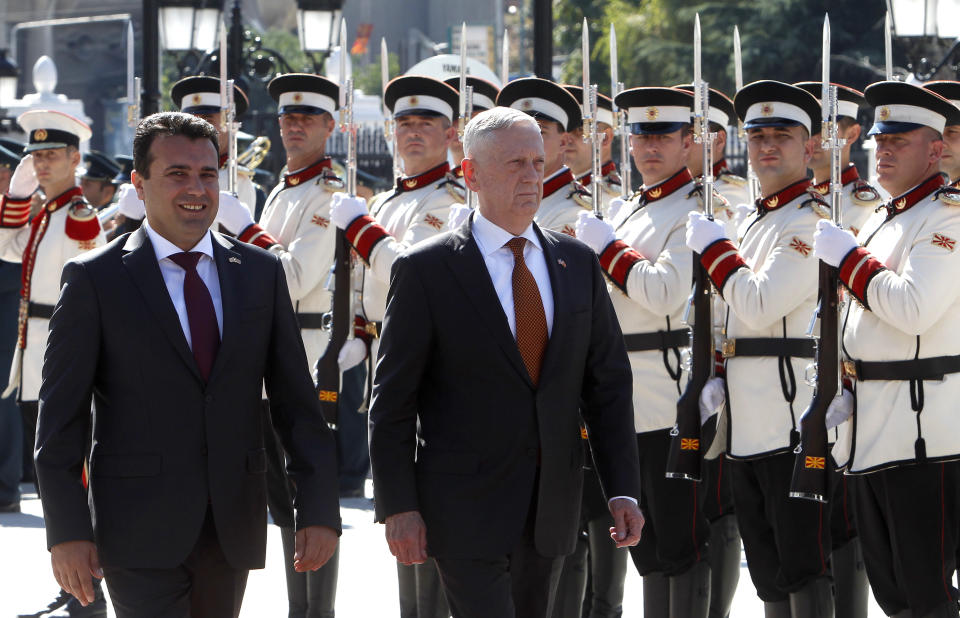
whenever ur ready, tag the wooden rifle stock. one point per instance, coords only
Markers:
(339, 322)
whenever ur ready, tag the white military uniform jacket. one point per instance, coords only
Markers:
(64, 228)
(563, 201)
(770, 287)
(907, 303)
(415, 210)
(650, 269)
(735, 190)
(609, 184)
(297, 215)
(246, 192)
(858, 199)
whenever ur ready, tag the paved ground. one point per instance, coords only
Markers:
(367, 585)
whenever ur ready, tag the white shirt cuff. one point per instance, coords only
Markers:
(631, 499)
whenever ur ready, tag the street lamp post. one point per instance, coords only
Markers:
(543, 38)
(318, 25)
(922, 25)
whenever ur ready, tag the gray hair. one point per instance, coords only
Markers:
(480, 129)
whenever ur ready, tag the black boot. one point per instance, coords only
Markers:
(608, 570)
(815, 600)
(725, 548)
(73, 608)
(656, 596)
(57, 603)
(690, 592)
(296, 582)
(850, 586)
(322, 588)
(776, 609)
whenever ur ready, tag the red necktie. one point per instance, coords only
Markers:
(204, 331)
(528, 310)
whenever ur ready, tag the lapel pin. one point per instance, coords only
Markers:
(561, 263)
(235, 260)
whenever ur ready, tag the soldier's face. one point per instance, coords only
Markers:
(779, 155)
(423, 141)
(182, 193)
(304, 137)
(507, 174)
(555, 143)
(950, 160)
(97, 192)
(215, 120)
(55, 166)
(578, 154)
(658, 157)
(907, 159)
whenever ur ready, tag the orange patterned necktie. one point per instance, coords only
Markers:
(528, 310)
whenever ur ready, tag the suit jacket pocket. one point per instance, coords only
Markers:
(447, 462)
(127, 466)
(257, 461)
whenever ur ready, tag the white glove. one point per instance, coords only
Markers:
(351, 354)
(743, 211)
(703, 232)
(831, 244)
(24, 180)
(840, 409)
(344, 209)
(232, 214)
(614, 207)
(712, 398)
(458, 215)
(129, 203)
(596, 233)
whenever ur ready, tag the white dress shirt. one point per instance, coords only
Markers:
(173, 276)
(492, 240)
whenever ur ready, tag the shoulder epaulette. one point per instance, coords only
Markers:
(454, 188)
(580, 195)
(864, 194)
(82, 222)
(733, 179)
(817, 203)
(948, 195)
(331, 182)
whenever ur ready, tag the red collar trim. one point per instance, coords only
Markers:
(784, 196)
(906, 201)
(667, 187)
(428, 177)
(292, 180)
(223, 160)
(559, 180)
(63, 199)
(846, 177)
(720, 167)
(605, 170)
(457, 171)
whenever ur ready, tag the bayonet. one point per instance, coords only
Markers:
(888, 46)
(591, 132)
(620, 119)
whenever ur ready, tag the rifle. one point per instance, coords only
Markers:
(620, 121)
(228, 114)
(338, 322)
(810, 467)
(591, 132)
(466, 100)
(133, 84)
(683, 458)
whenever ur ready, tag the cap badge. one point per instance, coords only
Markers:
(196, 98)
(40, 135)
(297, 97)
(414, 100)
(766, 109)
(652, 113)
(526, 104)
(883, 113)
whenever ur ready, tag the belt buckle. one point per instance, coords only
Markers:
(371, 329)
(728, 349)
(850, 369)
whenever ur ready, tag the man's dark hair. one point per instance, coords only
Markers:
(168, 123)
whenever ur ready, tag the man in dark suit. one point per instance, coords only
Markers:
(172, 330)
(497, 337)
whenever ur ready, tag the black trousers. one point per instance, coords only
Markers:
(676, 531)
(787, 540)
(204, 586)
(521, 584)
(908, 519)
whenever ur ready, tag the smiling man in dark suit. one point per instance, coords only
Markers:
(498, 337)
(171, 330)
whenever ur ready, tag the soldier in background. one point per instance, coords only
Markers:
(98, 181)
(557, 113)
(12, 460)
(484, 97)
(578, 155)
(424, 110)
(8, 163)
(950, 160)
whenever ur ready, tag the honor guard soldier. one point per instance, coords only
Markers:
(950, 161)
(200, 95)
(8, 163)
(859, 199)
(98, 181)
(484, 97)
(557, 113)
(649, 267)
(130, 210)
(424, 110)
(65, 227)
(770, 287)
(902, 353)
(579, 153)
(733, 188)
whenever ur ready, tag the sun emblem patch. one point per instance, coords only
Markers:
(294, 180)
(654, 194)
(318, 220)
(410, 184)
(946, 242)
(800, 247)
(40, 135)
(569, 231)
(766, 109)
(773, 202)
(816, 463)
(689, 444)
(901, 203)
(652, 113)
(433, 222)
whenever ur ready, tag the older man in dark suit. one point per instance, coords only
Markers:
(171, 330)
(498, 337)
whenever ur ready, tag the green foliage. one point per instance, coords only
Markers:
(366, 78)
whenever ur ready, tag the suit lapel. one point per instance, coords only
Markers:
(141, 261)
(558, 284)
(229, 270)
(470, 269)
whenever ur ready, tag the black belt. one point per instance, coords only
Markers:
(769, 346)
(38, 310)
(660, 340)
(310, 321)
(934, 368)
